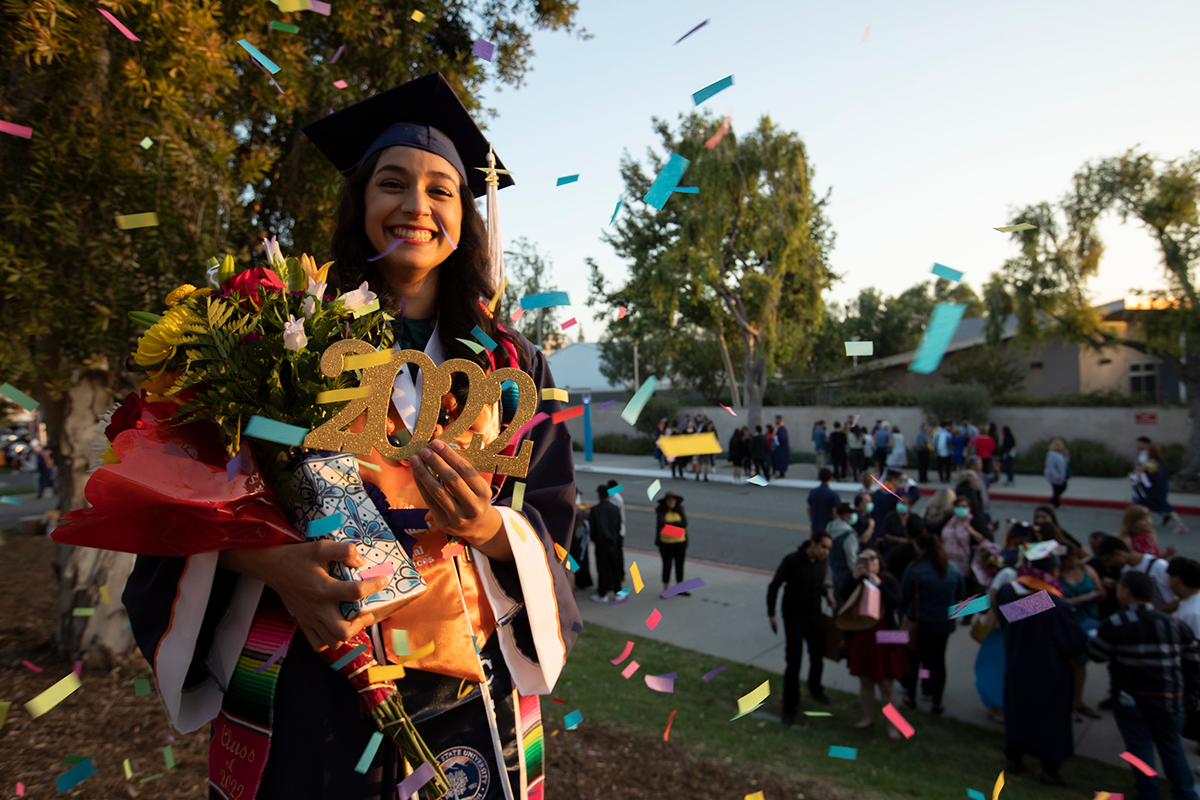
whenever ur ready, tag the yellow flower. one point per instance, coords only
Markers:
(177, 326)
(313, 275)
(174, 298)
(160, 384)
(109, 457)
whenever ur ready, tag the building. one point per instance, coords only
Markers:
(576, 368)
(1058, 368)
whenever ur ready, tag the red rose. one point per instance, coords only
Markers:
(252, 281)
(125, 416)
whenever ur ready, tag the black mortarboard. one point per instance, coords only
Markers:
(423, 113)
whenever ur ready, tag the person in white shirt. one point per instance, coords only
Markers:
(1183, 576)
(1113, 552)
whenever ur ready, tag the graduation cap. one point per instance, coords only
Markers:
(423, 113)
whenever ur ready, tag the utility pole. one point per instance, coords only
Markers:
(637, 378)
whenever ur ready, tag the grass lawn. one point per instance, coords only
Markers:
(944, 759)
(18, 490)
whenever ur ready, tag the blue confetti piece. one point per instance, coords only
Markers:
(75, 775)
(271, 431)
(850, 753)
(975, 794)
(545, 300)
(12, 501)
(688, 189)
(664, 184)
(573, 719)
(269, 65)
(615, 211)
(565, 179)
(713, 88)
(368, 755)
(483, 338)
(346, 659)
(615, 490)
(938, 334)
(324, 526)
(979, 604)
(947, 273)
(758, 480)
(572, 564)
(633, 409)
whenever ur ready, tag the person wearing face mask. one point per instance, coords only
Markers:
(958, 537)
(900, 526)
(931, 585)
(864, 505)
(846, 543)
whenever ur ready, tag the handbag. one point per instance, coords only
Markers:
(850, 616)
(907, 623)
(983, 627)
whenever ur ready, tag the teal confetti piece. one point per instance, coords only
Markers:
(938, 334)
(545, 300)
(368, 755)
(400, 643)
(572, 564)
(573, 719)
(324, 525)
(565, 179)
(283, 26)
(476, 347)
(633, 409)
(75, 775)
(141, 687)
(169, 757)
(17, 396)
(850, 753)
(947, 273)
(346, 659)
(688, 189)
(615, 210)
(483, 338)
(979, 604)
(271, 431)
(758, 480)
(713, 88)
(975, 794)
(10, 500)
(267, 63)
(668, 177)
(615, 490)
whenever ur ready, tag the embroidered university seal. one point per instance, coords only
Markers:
(467, 772)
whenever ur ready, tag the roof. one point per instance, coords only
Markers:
(576, 367)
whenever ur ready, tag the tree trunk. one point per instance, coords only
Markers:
(756, 385)
(1188, 478)
(730, 379)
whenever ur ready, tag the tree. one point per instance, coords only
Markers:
(747, 255)
(1045, 286)
(989, 367)
(225, 163)
(528, 272)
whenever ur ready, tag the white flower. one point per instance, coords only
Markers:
(294, 337)
(316, 289)
(274, 254)
(309, 306)
(352, 301)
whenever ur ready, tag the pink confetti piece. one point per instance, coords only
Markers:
(541, 416)
(340, 84)
(337, 55)
(720, 134)
(13, 129)
(855, 422)
(631, 668)
(387, 568)
(866, 33)
(653, 619)
(1142, 766)
(266, 665)
(624, 653)
(32, 666)
(670, 719)
(78, 668)
(899, 721)
(20, 789)
(568, 323)
(708, 676)
(891, 637)
(923, 674)
(128, 33)
(621, 312)
(889, 491)
(1027, 607)
(1108, 796)
(516, 315)
(660, 683)
(730, 410)
(452, 550)
(320, 8)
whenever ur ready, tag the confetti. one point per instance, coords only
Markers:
(518, 496)
(568, 323)
(666, 181)
(693, 30)
(630, 668)
(400, 642)
(116, 22)
(760, 796)
(817, 714)
(752, 700)
(279, 432)
(686, 586)
(269, 65)
(320, 7)
(32, 666)
(419, 777)
(999, 785)
(610, 222)
(713, 88)
(972, 606)
(365, 360)
(670, 719)
(129, 222)
(605, 404)
(368, 754)
(652, 489)
(1140, 765)
(387, 250)
(673, 531)
(13, 129)
(615, 490)
(128, 769)
(141, 686)
(572, 564)
(104, 595)
(866, 33)
(653, 619)
(730, 410)
(758, 480)
(341, 84)
(516, 315)
(169, 757)
(11, 500)
(689, 444)
(566, 414)
(348, 657)
(896, 719)
(860, 348)
(485, 50)
(20, 789)
(565, 179)
(849, 753)
(572, 720)
(661, 683)
(75, 775)
(624, 653)
(1098, 796)
(1027, 607)
(1024, 226)
(17, 396)
(324, 526)
(146, 143)
(720, 134)
(886, 489)
(288, 6)
(636, 573)
(891, 637)
(4, 707)
(83, 612)
(52, 696)
(386, 568)
(938, 333)
(688, 189)
(417, 16)
(947, 273)
(481, 337)
(337, 55)
(923, 674)
(708, 676)
(276, 25)
(368, 464)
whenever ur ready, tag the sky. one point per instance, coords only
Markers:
(930, 133)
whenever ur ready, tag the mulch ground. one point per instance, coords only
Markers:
(105, 721)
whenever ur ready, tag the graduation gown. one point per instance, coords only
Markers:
(191, 618)
(1037, 677)
(781, 454)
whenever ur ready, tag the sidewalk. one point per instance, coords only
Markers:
(727, 618)
(1112, 493)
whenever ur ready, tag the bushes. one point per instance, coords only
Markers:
(656, 408)
(1108, 399)
(618, 443)
(1088, 460)
(969, 401)
(880, 397)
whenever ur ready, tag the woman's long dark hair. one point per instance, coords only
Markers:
(464, 277)
(931, 551)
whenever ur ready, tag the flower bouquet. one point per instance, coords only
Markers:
(186, 472)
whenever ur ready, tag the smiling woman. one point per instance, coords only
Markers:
(494, 626)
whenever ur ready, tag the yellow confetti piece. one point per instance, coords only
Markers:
(560, 552)
(294, 5)
(756, 796)
(53, 696)
(104, 595)
(128, 222)
(128, 770)
(754, 699)
(499, 292)
(417, 16)
(338, 395)
(999, 786)
(555, 394)
(518, 499)
(392, 672)
(637, 578)
(365, 360)
(83, 612)
(4, 707)
(369, 465)
(420, 652)
(689, 444)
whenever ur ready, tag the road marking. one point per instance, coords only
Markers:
(791, 526)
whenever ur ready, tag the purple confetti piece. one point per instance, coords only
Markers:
(444, 232)
(235, 465)
(278, 654)
(605, 404)
(618, 602)
(686, 586)
(484, 49)
(1027, 606)
(337, 55)
(395, 243)
(891, 637)
(661, 683)
(708, 676)
(420, 776)
(693, 30)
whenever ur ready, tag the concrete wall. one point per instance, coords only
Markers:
(1115, 427)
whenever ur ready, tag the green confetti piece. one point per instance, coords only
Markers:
(17, 396)
(283, 26)
(169, 757)
(146, 143)
(475, 346)
(74, 758)
(152, 778)
(128, 770)
(83, 612)
(141, 687)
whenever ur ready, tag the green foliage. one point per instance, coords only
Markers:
(528, 272)
(1089, 459)
(617, 443)
(955, 402)
(882, 397)
(989, 367)
(1105, 399)
(1173, 453)
(656, 408)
